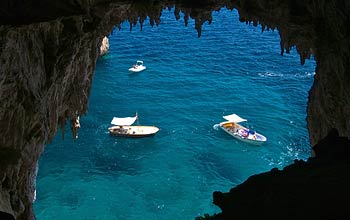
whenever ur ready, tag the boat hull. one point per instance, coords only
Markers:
(137, 69)
(133, 131)
(234, 129)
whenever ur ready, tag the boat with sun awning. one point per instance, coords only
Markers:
(124, 127)
(232, 127)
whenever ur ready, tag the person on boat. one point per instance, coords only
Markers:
(244, 133)
(253, 133)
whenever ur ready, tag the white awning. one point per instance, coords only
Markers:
(234, 118)
(123, 121)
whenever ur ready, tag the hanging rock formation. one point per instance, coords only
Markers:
(104, 46)
(48, 51)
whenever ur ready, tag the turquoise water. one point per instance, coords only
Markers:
(189, 84)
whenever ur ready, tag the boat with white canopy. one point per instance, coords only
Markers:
(137, 67)
(123, 127)
(233, 128)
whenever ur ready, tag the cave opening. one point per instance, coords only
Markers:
(189, 84)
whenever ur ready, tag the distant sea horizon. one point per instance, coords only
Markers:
(190, 83)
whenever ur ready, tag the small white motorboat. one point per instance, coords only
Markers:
(123, 127)
(137, 67)
(239, 132)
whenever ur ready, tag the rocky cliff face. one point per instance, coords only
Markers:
(45, 78)
(48, 51)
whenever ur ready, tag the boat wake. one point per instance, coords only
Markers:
(216, 126)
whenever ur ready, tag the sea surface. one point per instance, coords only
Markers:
(189, 84)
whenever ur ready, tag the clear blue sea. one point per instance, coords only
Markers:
(189, 84)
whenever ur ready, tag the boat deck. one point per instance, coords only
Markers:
(133, 131)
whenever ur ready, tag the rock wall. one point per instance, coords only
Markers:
(45, 78)
(48, 51)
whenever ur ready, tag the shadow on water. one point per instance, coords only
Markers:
(117, 156)
(212, 166)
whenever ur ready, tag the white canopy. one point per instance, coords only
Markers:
(123, 121)
(234, 118)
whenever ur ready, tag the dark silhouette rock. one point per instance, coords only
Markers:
(6, 216)
(316, 189)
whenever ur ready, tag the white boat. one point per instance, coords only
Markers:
(123, 127)
(233, 128)
(137, 67)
